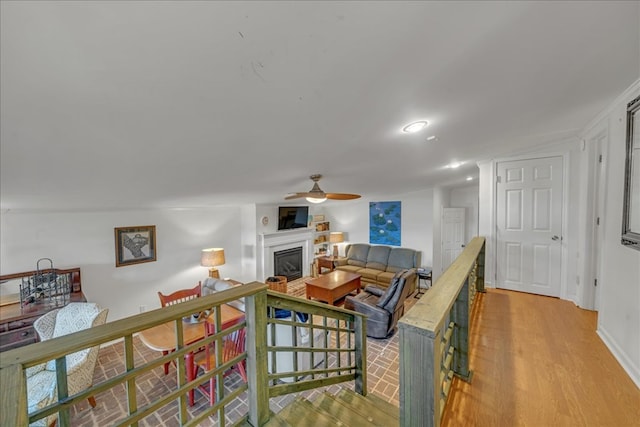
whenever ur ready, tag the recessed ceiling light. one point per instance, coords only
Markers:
(454, 165)
(415, 126)
(432, 138)
(469, 178)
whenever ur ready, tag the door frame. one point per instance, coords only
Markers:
(566, 236)
(596, 142)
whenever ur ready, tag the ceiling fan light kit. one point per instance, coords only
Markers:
(316, 195)
(316, 200)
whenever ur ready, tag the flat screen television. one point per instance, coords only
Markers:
(290, 217)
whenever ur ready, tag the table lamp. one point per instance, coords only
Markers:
(212, 257)
(336, 237)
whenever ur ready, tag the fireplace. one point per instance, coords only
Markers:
(288, 263)
(270, 243)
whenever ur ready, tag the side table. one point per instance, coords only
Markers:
(423, 274)
(327, 262)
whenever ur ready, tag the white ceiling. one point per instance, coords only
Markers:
(117, 105)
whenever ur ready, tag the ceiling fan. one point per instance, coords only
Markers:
(316, 195)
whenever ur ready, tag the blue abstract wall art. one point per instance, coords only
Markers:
(385, 223)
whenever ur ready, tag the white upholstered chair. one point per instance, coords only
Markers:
(41, 379)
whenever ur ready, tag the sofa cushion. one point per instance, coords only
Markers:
(369, 273)
(401, 259)
(386, 277)
(350, 268)
(357, 254)
(378, 257)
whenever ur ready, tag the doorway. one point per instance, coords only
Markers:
(529, 225)
(453, 232)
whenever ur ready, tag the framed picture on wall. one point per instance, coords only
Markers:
(135, 245)
(385, 226)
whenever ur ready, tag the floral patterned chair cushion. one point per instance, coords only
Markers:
(41, 379)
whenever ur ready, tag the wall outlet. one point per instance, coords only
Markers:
(143, 308)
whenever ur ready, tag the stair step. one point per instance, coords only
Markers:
(353, 417)
(387, 407)
(274, 421)
(301, 410)
(362, 404)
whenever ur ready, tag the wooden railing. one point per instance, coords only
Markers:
(336, 337)
(434, 339)
(344, 342)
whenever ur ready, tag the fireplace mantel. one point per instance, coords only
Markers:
(268, 243)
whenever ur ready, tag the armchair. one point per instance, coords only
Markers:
(383, 307)
(41, 379)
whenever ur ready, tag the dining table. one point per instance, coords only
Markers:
(163, 337)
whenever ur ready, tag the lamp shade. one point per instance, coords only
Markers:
(336, 237)
(212, 257)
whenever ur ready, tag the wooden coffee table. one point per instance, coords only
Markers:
(333, 286)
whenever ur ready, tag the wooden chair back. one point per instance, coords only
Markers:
(233, 345)
(181, 295)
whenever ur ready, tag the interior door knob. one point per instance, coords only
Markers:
(555, 238)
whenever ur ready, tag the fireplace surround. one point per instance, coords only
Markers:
(270, 243)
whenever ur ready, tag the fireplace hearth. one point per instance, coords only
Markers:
(288, 263)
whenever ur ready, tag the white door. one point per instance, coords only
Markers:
(529, 225)
(453, 223)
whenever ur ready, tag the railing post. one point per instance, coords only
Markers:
(480, 271)
(257, 373)
(420, 386)
(64, 418)
(460, 314)
(13, 396)
(361, 354)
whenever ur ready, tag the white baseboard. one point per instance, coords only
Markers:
(627, 364)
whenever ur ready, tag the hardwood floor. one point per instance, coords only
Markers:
(537, 361)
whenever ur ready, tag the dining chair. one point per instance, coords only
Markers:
(233, 346)
(176, 297)
(181, 295)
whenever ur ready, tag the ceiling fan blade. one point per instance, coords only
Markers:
(295, 196)
(342, 196)
(312, 194)
(317, 193)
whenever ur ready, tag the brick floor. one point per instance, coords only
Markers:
(382, 380)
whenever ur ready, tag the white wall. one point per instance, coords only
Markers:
(86, 240)
(486, 218)
(352, 217)
(441, 199)
(619, 315)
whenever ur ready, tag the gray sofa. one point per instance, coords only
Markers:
(377, 264)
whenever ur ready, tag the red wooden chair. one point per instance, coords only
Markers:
(233, 346)
(181, 295)
(176, 297)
